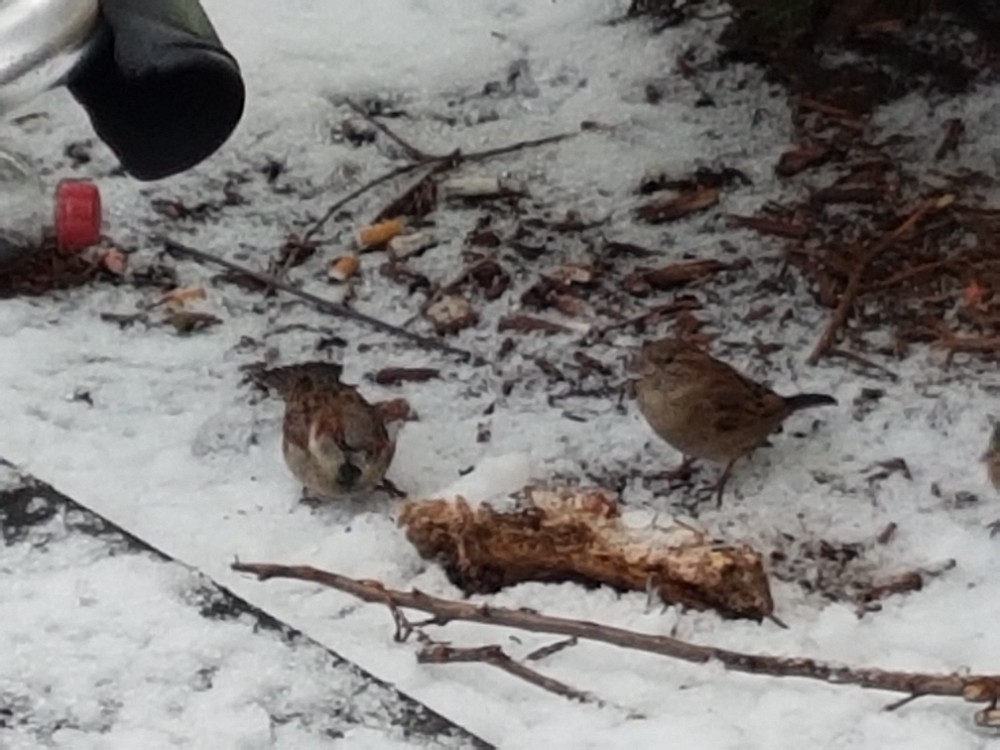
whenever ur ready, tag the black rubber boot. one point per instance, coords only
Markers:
(160, 89)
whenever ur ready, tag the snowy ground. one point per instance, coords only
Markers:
(140, 651)
(176, 452)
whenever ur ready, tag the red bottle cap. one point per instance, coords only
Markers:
(78, 214)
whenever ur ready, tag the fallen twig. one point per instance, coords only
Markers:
(452, 160)
(971, 687)
(553, 648)
(864, 362)
(325, 305)
(846, 302)
(440, 653)
(412, 151)
(653, 314)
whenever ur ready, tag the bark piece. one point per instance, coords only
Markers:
(564, 534)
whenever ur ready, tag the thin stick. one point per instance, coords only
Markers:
(355, 194)
(553, 648)
(440, 653)
(412, 151)
(325, 305)
(864, 362)
(455, 158)
(847, 299)
(898, 704)
(973, 688)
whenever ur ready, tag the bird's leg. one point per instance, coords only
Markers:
(392, 489)
(720, 486)
(309, 499)
(683, 471)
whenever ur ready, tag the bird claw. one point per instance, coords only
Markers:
(392, 489)
(720, 486)
(994, 528)
(683, 472)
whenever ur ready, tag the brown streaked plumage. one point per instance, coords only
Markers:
(705, 408)
(333, 440)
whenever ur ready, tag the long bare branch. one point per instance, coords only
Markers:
(981, 688)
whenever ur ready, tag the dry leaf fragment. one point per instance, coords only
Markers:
(491, 277)
(416, 202)
(295, 251)
(343, 268)
(676, 207)
(112, 260)
(451, 313)
(485, 237)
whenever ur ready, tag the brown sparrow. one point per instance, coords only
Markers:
(706, 409)
(333, 440)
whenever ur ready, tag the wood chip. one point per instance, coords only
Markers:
(676, 207)
(397, 375)
(529, 324)
(672, 276)
(802, 158)
(766, 225)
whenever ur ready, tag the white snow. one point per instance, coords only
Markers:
(105, 648)
(177, 452)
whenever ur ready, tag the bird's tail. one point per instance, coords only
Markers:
(809, 400)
